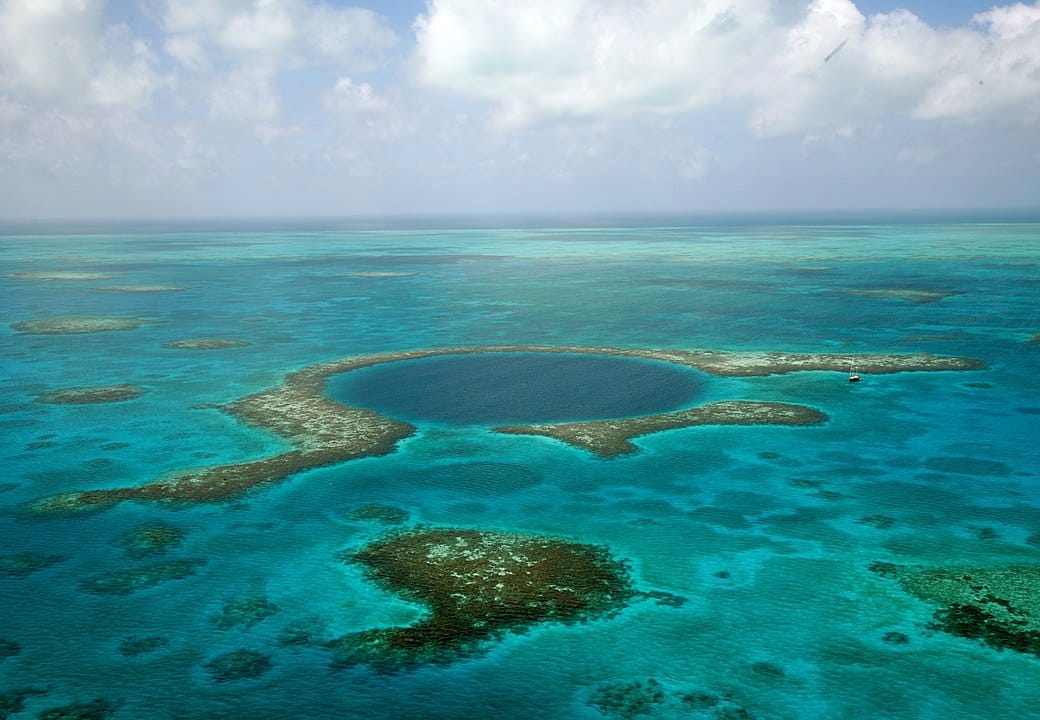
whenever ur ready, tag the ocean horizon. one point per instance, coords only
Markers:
(596, 466)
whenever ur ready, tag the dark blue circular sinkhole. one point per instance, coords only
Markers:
(517, 387)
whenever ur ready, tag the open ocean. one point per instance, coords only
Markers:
(766, 539)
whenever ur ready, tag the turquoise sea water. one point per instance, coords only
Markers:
(760, 529)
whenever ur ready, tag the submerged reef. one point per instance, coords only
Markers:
(376, 275)
(143, 288)
(124, 582)
(133, 645)
(12, 702)
(628, 699)
(908, 294)
(385, 514)
(608, 438)
(477, 586)
(76, 325)
(246, 612)
(239, 664)
(90, 394)
(93, 710)
(152, 539)
(24, 564)
(323, 432)
(999, 606)
(9, 648)
(58, 275)
(204, 344)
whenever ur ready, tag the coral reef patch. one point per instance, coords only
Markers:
(76, 325)
(246, 612)
(478, 585)
(999, 606)
(205, 344)
(149, 540)
(906, 294)
(143, 288)
(124, 582)
(92, 710)
(384, 514)
(608, 438)
(238, 664)
(12, 702)
(58, 275)
(133, 645)
(90, 394)
(24, 564)
(628, 699)
(9, 648)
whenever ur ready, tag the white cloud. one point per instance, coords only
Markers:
(698, 164)
(244, 97)
(61, 52)
(554, 59)
(273, 34)
(364, 117)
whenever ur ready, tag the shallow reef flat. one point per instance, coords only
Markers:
(150, 540)
(124, 582)
(999, 605)
(324, 432)
(76, 325)
(386, 274)
(906, 294)
(142, 288)
(608, 438)
(478, 585)
(24, 564)
(204, 344)
(58, 275)
(90, 394)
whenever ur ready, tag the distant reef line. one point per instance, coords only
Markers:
(321, 431)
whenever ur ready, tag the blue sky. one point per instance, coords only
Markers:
(231, 108)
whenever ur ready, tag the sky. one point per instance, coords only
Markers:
(169, 109)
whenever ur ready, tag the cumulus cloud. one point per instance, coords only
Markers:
(61, 51)
(553, 59)
(364, 117)
(273, 33)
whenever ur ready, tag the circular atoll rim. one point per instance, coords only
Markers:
(323, 432)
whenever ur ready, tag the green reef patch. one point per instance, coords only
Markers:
(246, 612)
(322, 432)
(133, 645)
(124, 582)
(385, 514)
(999, 606)
(12, 702)
(9, 648)
(59, 275)
(91, 394)
(905, 294)
(149, 540)
(143, 288)
(205, 344)
(628, 699)
(92, 710)
(76, 325)
(478, 585)
(238, 664)
(21, 565)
